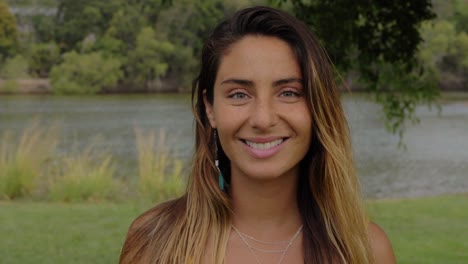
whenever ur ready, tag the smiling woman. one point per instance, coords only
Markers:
(272, 180)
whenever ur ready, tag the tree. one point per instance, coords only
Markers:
(85, 73)
(446, 51)
(186, 24)
(75, 20)
(146, 63)
(380, 40)
(43, 57)
(8, 33)
(461, 15)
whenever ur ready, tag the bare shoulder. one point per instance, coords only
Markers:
(383, 252)
(154, 215)
(145, 228)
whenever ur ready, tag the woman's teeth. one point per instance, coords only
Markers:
(266, 145)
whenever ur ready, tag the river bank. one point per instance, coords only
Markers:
(42, 86)
(433, 163)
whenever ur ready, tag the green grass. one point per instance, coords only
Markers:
(32, 167)
(22, 160)
(423, 230)
(34, 232)
(159, 175)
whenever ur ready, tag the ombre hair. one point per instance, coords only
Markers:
(195, 228)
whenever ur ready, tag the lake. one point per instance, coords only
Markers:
(434, 162)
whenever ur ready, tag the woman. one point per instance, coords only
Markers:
(267, 108)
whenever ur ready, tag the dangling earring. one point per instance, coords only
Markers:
(221, 182)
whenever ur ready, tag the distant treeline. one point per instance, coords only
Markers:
(91, 46)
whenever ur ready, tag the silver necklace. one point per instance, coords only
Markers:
(251, 248)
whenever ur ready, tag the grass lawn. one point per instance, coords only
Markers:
(424, 230)
(33, 232)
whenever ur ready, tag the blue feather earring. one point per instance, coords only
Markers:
(221, 181)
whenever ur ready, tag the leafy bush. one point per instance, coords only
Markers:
(147, 62)
(84, 73)
(159, 175)
(14, 68)
(43, 57)
(445, 51)
(8, 32)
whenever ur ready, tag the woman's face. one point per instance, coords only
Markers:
(259, 109)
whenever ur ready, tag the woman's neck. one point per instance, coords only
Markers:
(266, 209)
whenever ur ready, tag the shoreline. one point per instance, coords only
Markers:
(42, 86)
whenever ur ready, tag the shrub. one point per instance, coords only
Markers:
(9, 86)
(15, 68)
(8, 31)
(159, 175)
(84, 73)
(21, 164)
(43, 57)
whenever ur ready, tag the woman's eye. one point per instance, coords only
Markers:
(290, 93)
(238, 95)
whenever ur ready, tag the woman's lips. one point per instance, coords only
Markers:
(262, 149)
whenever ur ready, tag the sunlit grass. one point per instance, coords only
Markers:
(159, 175)
(425, 230)
(84, 176)
(31, 166)
(22, 160)
(422, 230)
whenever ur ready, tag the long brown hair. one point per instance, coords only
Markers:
(329, 197)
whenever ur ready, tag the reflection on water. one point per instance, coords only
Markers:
(435, 161)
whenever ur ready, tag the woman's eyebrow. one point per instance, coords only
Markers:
(287, 81)
(238, 81)
(249, 83)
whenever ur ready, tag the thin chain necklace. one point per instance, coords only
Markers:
(251, 248)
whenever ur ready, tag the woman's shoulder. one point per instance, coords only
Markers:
(381, 246)
(150, 225)
(159, 214)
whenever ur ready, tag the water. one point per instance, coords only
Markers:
(435, 161)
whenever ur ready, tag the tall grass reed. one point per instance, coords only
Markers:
(159, 175)
(22, 159)
(84, 175)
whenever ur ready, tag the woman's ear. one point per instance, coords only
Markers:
(209, 110)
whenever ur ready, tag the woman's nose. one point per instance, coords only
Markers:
(263, 115)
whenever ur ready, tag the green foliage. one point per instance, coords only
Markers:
(159, 178)
(77, 19)
(44, 28)
(125, 25)
(43, 57)
(15, 68)
(445, 51)
(366, 35)
(8, 32)
(186, 24)
(461, 15)
(398, 99)
(21, 164)
(84, 176)
(110, 46)
(9, 86)
(85, 73)
(147, 61)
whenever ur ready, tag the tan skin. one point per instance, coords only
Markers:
(264, 126)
